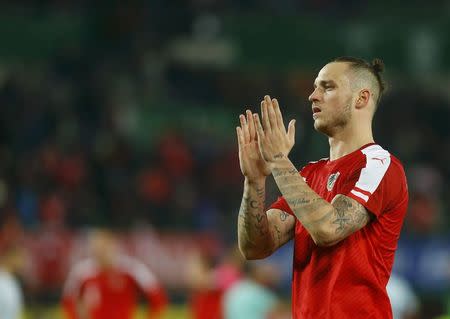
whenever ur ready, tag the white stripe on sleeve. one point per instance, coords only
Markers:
(377, 163)
(139, 271)
(360, 195)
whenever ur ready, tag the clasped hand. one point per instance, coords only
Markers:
(263, 141)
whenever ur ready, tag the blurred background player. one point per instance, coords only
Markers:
(107, 285)
(11, 298)
(12, 262)
(208, 282)
(404, 302)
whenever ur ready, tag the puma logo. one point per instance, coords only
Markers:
(379, 159)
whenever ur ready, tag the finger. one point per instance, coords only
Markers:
(244, 126)
(240, 137)
(251, 125)
(259, 128)
(271, 112)
(291, 131)
(265, 117)
(279, 116)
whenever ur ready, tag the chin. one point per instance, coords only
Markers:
(318, 125)
(321, 127)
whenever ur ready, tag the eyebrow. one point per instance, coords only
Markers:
(325, 83)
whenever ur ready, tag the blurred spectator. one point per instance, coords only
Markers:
(106, 285)
(422, 218)
(253, 297)
(404, 301)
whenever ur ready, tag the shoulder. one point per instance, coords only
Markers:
(378, 159)
(136, 269)
(81, 272)
(380, 173)
(84, 268)
(374, 159)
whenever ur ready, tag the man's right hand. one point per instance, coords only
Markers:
(253, 166)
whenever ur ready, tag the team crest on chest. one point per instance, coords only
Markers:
(331, 180)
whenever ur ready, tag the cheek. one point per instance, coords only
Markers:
(337, 101)
(331, 94)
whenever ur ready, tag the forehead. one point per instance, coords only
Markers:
(334, 71)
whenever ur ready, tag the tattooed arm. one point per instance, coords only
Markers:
(260, 233)
(326, 223)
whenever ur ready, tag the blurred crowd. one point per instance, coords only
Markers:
(133, 124)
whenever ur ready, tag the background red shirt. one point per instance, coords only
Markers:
(111, 293)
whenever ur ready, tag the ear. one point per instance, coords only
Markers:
(362, 99)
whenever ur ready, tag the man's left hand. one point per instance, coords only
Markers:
(274, 142)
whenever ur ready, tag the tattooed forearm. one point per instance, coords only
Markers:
(278, 156)
(261, 192)
(282, 172)
(253, 226)
(349, 215)
(259, 232)
(252, 213)
(324, 221)
(277, 234)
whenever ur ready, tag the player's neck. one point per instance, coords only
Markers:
(348, 141)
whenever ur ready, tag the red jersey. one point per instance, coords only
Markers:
(111, 293)
(206, 304)
(348, 280)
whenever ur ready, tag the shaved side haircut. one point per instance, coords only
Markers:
(366, 74)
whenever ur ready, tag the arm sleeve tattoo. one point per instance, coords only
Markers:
(260, 233)
(326, 223)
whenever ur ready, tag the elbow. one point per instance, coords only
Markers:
(324, 238)
(250, 256)
(255, 256)
(250, 253)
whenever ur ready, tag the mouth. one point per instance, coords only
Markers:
(315, 111)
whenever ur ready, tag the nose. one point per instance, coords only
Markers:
(314, 96)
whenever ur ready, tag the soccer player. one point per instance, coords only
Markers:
(209, 283)
(106, 286)
(344, 212)
(404, 301)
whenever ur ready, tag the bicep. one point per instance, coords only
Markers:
(349, 216)
(282, 227)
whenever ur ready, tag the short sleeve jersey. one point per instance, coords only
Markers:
(348, 280)
(113, 293)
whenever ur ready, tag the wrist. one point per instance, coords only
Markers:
(279, 161)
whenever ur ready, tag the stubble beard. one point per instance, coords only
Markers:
(330, 126)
